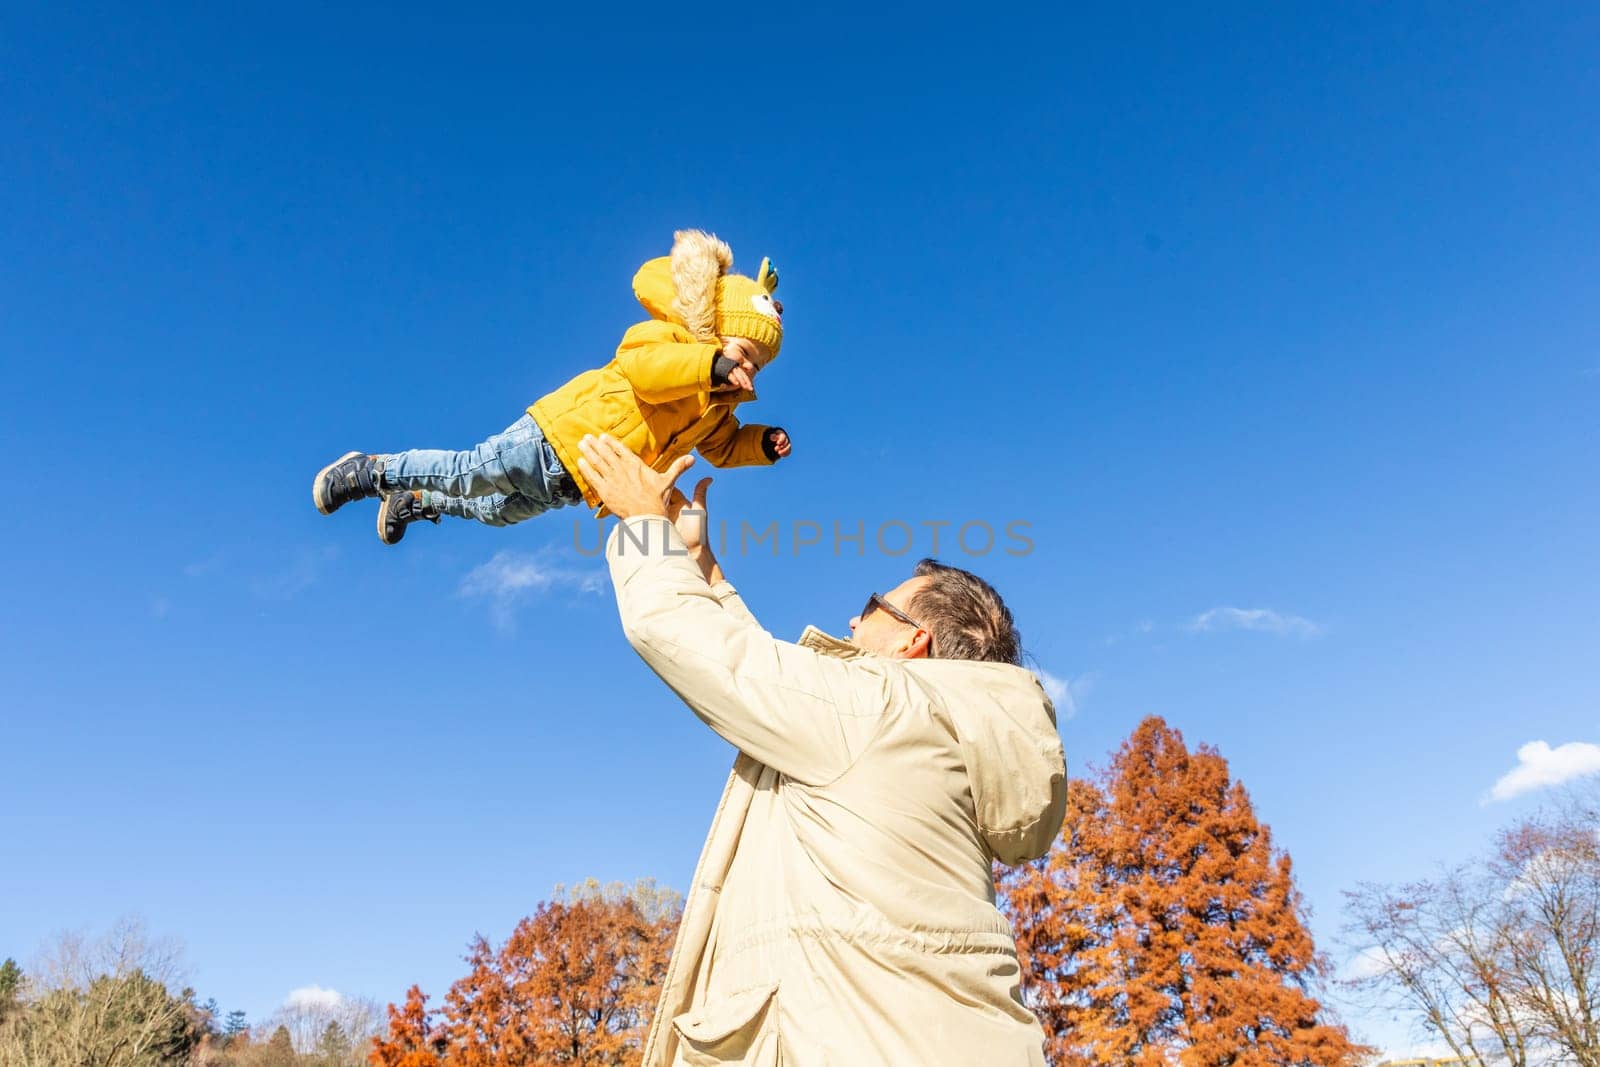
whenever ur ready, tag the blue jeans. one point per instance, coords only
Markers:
(512, 476)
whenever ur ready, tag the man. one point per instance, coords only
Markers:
(842, 911)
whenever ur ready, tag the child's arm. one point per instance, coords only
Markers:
(663, 363)
(731, 445)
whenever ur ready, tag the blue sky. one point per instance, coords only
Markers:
(1246, 311)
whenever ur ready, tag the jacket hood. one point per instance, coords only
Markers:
(653, 288)
(682, 287)
(695, 288)
(1006, 726)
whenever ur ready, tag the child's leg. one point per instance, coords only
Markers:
(516, 462)
(499, 509)
(403, 507)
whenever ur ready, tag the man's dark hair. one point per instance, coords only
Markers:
(966, 617)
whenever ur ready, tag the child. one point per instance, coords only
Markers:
(672, 387)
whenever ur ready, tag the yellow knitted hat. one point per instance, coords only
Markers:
(745, 307)
(712, 303)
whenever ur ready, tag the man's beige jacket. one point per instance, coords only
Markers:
(842, 911)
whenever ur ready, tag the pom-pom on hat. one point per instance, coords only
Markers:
(704, 298)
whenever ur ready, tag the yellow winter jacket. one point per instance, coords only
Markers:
(654, 396)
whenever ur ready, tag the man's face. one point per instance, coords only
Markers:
(882, 633)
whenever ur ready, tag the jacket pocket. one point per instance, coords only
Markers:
(619, 408)
(740, 1029)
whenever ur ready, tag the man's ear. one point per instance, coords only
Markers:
(916, 648)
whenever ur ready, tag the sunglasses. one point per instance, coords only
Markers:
(875, 601)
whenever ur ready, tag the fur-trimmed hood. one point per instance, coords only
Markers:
(694, 288)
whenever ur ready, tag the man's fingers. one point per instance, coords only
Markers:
(593, 451)
(679, 465)
(700, 488)
(613, 447)
(605, 460)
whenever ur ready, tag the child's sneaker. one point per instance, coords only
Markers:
(400, 510)
(353, 476)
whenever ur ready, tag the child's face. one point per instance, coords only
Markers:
(762, 354)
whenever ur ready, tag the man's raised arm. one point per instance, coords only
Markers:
(775, 701)
(693, 523)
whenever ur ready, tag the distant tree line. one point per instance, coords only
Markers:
(1163, 927)
(118, 1002)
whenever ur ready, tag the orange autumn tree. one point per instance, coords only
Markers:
(413, 1040)
(573, 984)
(1163, 928)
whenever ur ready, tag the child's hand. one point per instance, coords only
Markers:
(743, 374)
(778, 442)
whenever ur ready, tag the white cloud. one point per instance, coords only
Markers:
(1545, 869)
(1431, 1050)
(1067, 694)
(1057, 688)
(1262, 620)
(201, 567)
(313, 996)
(1368, 963)
(510, 577)
(1539, 767)
(295, 577)
(1142, 628)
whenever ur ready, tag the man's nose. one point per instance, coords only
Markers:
(855, 620)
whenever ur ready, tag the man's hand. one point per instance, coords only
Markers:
(743, 352)
(689, 516)
(693, 523)
(622, 481)
(778, 440)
